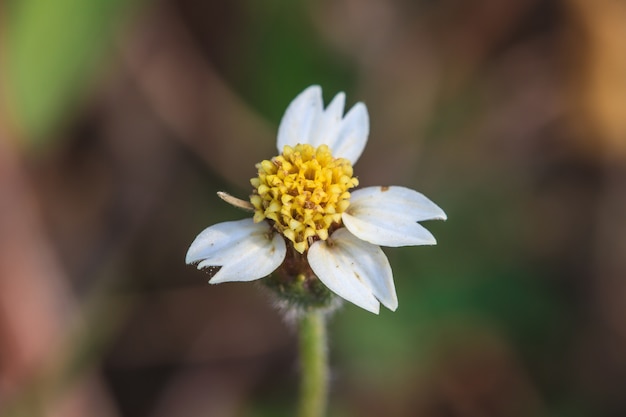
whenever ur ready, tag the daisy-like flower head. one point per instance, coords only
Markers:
(308, 225)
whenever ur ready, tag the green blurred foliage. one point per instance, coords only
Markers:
(52, 49)
(286, 54)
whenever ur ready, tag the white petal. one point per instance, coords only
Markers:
(242, 248)
(388, 216)
(351, 138)
(300, 118)
(329, 123)
(355, 270)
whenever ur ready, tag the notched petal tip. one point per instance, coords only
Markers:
(211, 271)
(351, 137)
(436, 212)
(300, 118)
(375, 310)
(307, 122)
(355, 270)
(312, 89)
(244, 250)
(328, 124)
(389, 216)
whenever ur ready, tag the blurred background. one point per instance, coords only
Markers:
(120, 120)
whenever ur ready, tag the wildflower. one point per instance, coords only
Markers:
(307, 225)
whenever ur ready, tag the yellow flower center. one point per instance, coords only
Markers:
(303, 192)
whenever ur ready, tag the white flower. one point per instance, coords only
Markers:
(302, 203)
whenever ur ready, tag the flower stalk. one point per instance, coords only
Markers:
(313, 238)
(314, 364)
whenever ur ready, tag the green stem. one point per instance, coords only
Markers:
(314, 365)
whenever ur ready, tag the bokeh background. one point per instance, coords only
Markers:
(119, 121)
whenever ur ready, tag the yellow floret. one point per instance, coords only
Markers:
(302, 192)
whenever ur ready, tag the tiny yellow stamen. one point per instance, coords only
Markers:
(303, 192)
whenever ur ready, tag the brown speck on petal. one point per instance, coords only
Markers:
(384, 188)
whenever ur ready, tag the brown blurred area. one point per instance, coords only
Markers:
(510, 115)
